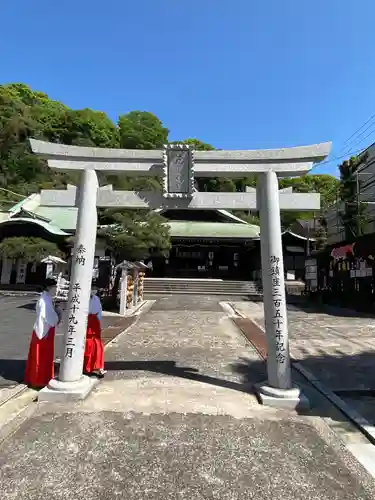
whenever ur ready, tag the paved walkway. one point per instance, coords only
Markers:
(174, 418)
(337, 348)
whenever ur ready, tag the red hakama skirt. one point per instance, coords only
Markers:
(40, 362)
(94, 350)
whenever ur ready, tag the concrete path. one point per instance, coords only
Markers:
(174, 418)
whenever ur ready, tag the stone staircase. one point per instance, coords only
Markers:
(165, 286)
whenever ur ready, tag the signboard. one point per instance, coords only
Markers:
(342, 252)
(178, 171)
(293, 249)
(21, 272)
(311, 274)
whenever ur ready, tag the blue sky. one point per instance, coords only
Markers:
(239, 74)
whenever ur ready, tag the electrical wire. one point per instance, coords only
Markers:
(338, 157)
(354, 133)
(348, 142)
(361, 140)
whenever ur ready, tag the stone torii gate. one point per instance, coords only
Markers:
(178, 165)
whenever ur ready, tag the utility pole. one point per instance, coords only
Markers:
(357, 201)
(308, 239)
(338, 217)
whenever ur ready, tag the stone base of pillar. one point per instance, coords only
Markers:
(62, 392)
(287, 399)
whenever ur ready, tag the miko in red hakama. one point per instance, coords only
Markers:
(94, 350)
(40, 362)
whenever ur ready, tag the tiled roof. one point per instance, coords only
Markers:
(194, 229)
(51, 228)
(63, 217)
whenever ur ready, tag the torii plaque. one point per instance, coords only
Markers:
(179, 165)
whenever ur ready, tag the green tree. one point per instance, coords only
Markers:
(196, 144)
(28, 248)
(326, 185)
(321, 234)
(25, 113)
(135, 234)
(353, 216)
(142, 130)
(17, 165)
(84, 127)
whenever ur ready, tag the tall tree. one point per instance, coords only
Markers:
(84, 127)
(141, 130)
(353, 216)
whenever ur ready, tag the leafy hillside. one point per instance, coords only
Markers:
(25, 113)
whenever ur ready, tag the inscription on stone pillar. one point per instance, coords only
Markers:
(279, 319)
(178, 171)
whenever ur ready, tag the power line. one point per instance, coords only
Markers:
(354, 133)
(348, 142)
(335, 158)
(361, 140)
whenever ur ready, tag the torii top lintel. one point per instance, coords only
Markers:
(236, 163)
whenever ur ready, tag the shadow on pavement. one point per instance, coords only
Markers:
(12, 370)
(30, 306)
(252, 373)
(250, 298)
(255, 372)
(166, 367)
(310, 306)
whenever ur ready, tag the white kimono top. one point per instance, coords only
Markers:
(95, 306)
(46, 316)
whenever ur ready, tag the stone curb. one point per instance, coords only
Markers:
(5, 293)
(8, 393)
(365, 427)
(18, 417)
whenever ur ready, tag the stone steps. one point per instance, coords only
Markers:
(201, 287)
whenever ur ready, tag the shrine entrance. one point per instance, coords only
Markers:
(178, 165)
(202, 261)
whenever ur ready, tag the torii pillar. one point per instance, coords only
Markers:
(278, 390)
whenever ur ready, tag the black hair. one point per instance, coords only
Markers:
(49, 282)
